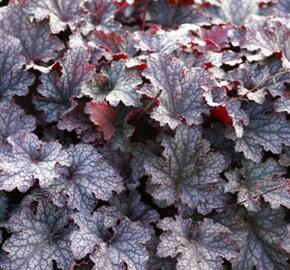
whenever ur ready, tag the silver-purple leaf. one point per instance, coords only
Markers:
(260, 235)
(198, 247)
(286, 241)
(256, 79)
(88, 177)
(14, 80)
(13, 120)
(171, 15)
(140, 153)
(187, 172)
(30, 159)
(216, 136)
(99, 14)
(263, 34)
(132, 207)
(238, 115)
(282, 8)
(123, 246)
(161, 41)
(77, 120)
(34, 37)
(60, 13)
(235, 12)
(182, 90)
(57, 91)
(155, 262)
(282, 105)
(115, 84)
(266, 130)
(256, 180)
(268, 36)
(38, 239)
(284, 159)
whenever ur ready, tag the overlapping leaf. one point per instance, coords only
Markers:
(285, 157)
(215, 38)
(281, 8)
(88, 177)
(120, 247)
(260, 236)
(228, 111)
(99, 15)
(182, 90)
(266, 130)
(160, 41)
(155, 41)
(140, 153)
(265, 36)
(235, 12)
(157, 263)
(215, 135)
(13, 120)
(282, 105)
(199, 247)
(256, 79)
(169, 14)
(108, 44)
(286, 242)
(30, 159)
(60, 13)
(13, 79)
(268, 36)
(77, 120)
(207, 58)
(104, 116)
(132, 207)
(116, 84)
(35, 38)
(57, 91)
(38, 239)
(188, 171)
(254, 181)
(126, 124)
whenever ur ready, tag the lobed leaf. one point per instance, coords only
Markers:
(123, 245)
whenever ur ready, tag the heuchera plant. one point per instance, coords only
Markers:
(144, 135)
